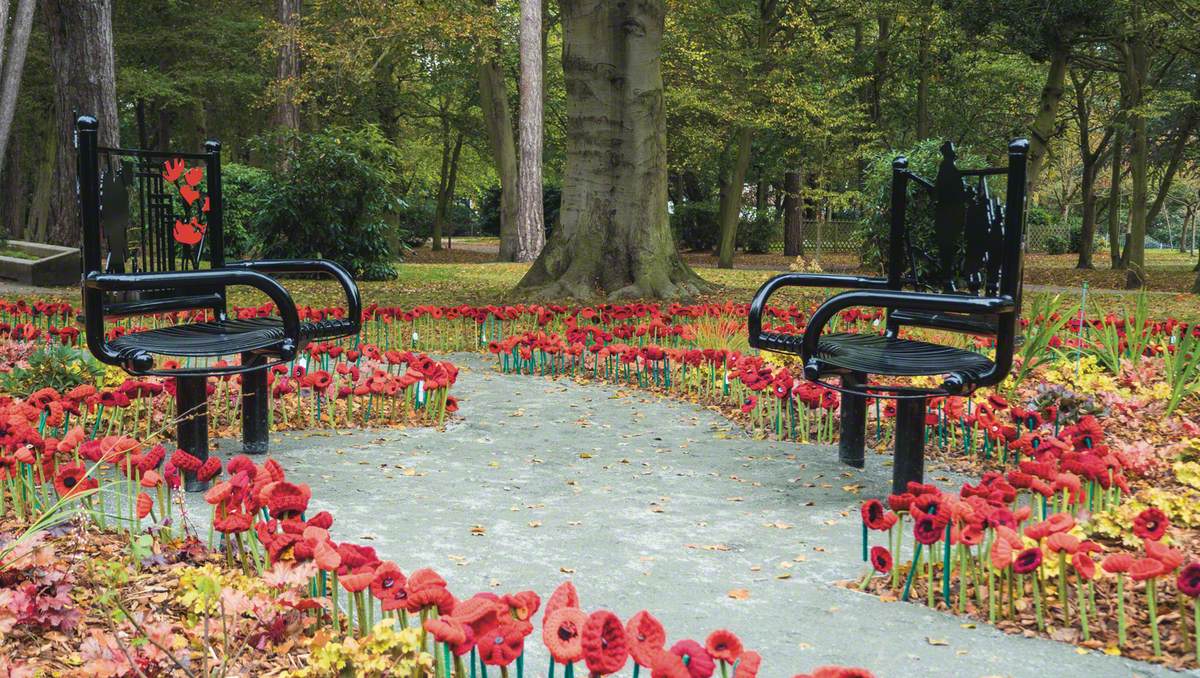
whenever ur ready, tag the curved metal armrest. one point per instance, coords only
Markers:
(331, 268)
(802, 280)
(891, 299)
(95, 283)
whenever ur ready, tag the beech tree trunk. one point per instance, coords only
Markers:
(614, 236)
(1047, 116)
(1114, 202)
(287, 67)
(531, 228)
(1136, 62)
(793, 215)
(81, 57)
(497, 119)
(12, 64)
(733, 182)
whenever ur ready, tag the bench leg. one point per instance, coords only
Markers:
(191, 398)
(910, 443)
(256, 398)
(852, 442)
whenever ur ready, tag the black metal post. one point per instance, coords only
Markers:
(910, 443)
(256, 399)
(191, 398)
(852, 443)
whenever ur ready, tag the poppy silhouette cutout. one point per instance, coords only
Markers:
(189, 233)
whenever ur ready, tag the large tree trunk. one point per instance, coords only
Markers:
(531, 229)
(733, 182)
(497, 120)
(12, 57)
(793, 215)
(614, 234)
(81, 57)
(287, 67)
(1136, 64)
(445, 198)
(1090, 160)
(1047, 116)
(1114, 201)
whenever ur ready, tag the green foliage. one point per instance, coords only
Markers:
(1034, 27)
(1046, 317)
(874, 229)
(695, 225)
(1182, 368)
(332, 200)
(59, 367)
(757, 234)
(488, 221)
(242, 190)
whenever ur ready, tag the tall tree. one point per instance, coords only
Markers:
(12, 64)
(531, 229)
(1090, 158)
(613, 235)
(287, 66)
(81, 56)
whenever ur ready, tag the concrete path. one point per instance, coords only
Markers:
(645, 502)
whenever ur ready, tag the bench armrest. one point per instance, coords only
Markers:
(95, 284)
(325, 266)
(801, 280)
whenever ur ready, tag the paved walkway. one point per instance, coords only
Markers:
(648, 503)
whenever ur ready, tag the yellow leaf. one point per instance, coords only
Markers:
(739, 594)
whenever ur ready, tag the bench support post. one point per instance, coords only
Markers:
(256, 398)
(910, 443)
(191, 398)
(852, 442)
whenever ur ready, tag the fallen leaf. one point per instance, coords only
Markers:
(739, 594)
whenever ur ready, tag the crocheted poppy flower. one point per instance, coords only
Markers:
(326, 556)
(1169, 557)
(323, 520)
(1062, 542)
(1117, 563)
(387, 582)
(1084, 566)
(699, 663)
(1028, 560)
(723, 645)
(605, 649)
(1189, 580)
(481, 612)
(747, 666)
(286, 499)
(242, 464)
(1151, 524)
(646, 637)
(209, 469)
(668, 665)
(561, 633)
(523, 604)
(185, 461)
(881, 560)
(563, 596)
(839, 672)
(503, 644)
(928, 528)
(144, 504)
(1145, 568)
(874, 515)
(358, 580)
(72, 480)
(447, 630)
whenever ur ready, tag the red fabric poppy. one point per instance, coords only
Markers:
(1189, 580)
(1117, 563)
(358, 580)
(747, 666)
(1145, 568)
(646, 637)
(1028, 560)
(723, 645)
(523, 604)
(481, 612)
(71, 480)
(699, 663)
(144, 504)
(285, 499)
(562, 634)
(928, 528)
(503, 644)
(1084, 566)
(1169, 557)
(185, 461)
(605, 649)
(326, 556)
(387, 582)
(881, 559)
(1151, 524)
(668, 665)
(563, 596)
(447, 630)
(1062, 542)
(209, 469)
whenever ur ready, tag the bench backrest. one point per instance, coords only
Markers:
(149, 212)
(976, 243)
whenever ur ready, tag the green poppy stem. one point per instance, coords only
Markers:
(911, 571)
(1083, 612)
(1152, 608)
(1037, 604)
(1062, 588)
(1120, 610)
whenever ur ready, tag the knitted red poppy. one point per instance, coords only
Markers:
(747, 666)
(699, 663)
(285, 498)
(209, 469)
(144, 504)
(605, 649)
(388, 581)
(358, 580)
(646, 637)
(523, 604)
(563, 596)
(561, 634)
(723, 645)
(186, 461)
(503, 644)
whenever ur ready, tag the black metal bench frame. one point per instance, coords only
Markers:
(167, 275)
(972, 285)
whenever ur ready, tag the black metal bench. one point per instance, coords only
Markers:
(970, 283)
(151, 220)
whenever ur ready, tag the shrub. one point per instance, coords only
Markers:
(695, 225)
(757, 234)
(59, 367)
(923, 159)
(1056, 244)
(242, 189)
(332, 201)
(488, 220)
